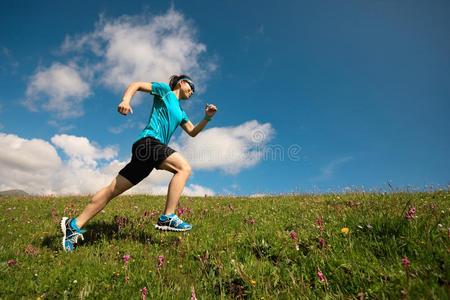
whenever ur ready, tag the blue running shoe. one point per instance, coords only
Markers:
(71, 234)
(172, 223)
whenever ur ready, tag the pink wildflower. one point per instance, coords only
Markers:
(31, 250)
(321, 242)
(149, 214)
(180, 211)
(250, 221)
(126, 258)
(320, 275)
(161, 261)
(411, 213)
(405, 262)
(319, 223)
(144, 293)
(193, 296)
(12, 262)
(54, 214)
(293, 235)
(121, 222)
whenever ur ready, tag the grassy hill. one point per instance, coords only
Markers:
(352, 246)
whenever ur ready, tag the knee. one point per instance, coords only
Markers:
(113, 190)
(186, 170)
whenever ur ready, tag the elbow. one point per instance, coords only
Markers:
(133, 85)
(193, 133)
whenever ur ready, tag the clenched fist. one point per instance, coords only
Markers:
(124, 108)
(210, 110)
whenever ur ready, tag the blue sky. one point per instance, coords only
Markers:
(358, 91)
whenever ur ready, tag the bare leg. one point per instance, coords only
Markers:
(181, 169)
(119, 185)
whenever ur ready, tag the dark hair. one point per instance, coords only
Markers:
(174, 79)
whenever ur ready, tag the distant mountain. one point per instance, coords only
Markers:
(13, 193)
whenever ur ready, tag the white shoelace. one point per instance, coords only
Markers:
(74, 237)
(176, 220)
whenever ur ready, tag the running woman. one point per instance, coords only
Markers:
(148, 152)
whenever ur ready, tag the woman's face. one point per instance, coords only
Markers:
(186, 91)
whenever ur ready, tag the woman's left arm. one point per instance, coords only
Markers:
(210, 111)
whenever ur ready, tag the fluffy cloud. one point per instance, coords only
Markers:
(230, 149)
(83, 167)
(27, 164)
(36, 167)
(117, 52)
(142, 49)
(59, 89)
(81, 151)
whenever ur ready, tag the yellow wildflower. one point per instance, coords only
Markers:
(345, 230)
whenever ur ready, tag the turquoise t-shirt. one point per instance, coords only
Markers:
(166, 114)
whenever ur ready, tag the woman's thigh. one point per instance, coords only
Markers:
(175, 163)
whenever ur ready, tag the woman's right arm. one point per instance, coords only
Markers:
(124, 107)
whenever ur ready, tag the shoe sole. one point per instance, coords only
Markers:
(63, 229)
(168, 228)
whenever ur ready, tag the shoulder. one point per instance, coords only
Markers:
(161, 86)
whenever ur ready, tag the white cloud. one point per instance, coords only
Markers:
(137, 48)
(330, 169)
(125, 125)
(59, 89)
(27, 164)
(230, 149)
(61, 126)
(35, 167)
(259, 195)
(81, 151)
(116, 53)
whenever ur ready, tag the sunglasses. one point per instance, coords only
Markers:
(191, 84)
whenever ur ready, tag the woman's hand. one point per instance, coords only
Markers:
(210, 110)
(124, 108)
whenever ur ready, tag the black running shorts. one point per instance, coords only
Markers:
(146, 154)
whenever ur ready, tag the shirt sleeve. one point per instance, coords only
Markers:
(160, 89)
(184, 118)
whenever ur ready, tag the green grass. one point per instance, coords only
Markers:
(238, 248)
